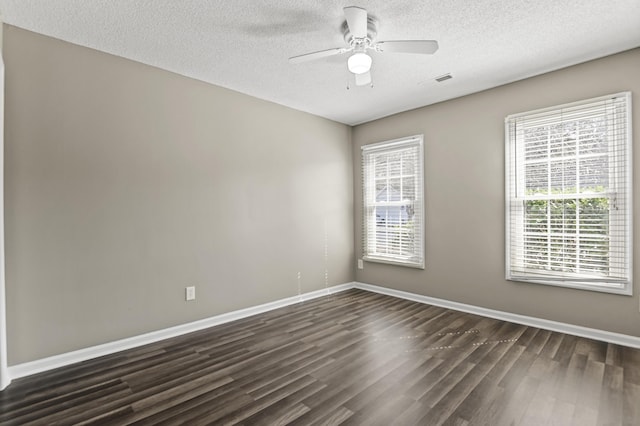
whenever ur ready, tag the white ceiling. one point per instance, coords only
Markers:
(244, 44)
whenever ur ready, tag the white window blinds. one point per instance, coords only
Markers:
(393, 202)
(568, 195)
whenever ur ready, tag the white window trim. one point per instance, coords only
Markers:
(412, 262)
(625, 288)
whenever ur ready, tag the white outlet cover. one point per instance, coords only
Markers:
(190, 293)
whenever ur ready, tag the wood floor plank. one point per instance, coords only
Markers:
(631, 404)
(250, 410)
(54, 403)
(380, 411)
(349, 358)
(216, 403)
(551, 346)
(562, 413)
(287, 409)
(340, 391)
(571, 385)
(69, 409)
(519, 400)
(494, 401)
(614, 355)
(591, 385)
(611, 400)
(412, 415)
(585, 416)
(631, 364)
(538, 342)
(539, 408)
(444, 409)
(319, 418)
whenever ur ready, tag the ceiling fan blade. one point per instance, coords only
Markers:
(363, 79)
(356, 20)
(425, 47)
(316, 55)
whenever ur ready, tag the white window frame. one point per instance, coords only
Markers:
(620, 280)
(369, 247)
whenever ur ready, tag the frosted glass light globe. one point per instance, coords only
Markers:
(359, 63)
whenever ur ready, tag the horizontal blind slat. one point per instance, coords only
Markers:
(569, 190)
(392, 201)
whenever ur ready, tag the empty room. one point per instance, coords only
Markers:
(319, 213)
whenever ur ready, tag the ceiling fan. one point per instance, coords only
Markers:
(360, 30)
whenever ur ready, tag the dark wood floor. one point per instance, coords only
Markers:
(351, 358)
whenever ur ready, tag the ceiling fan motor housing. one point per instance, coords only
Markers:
(372, 32)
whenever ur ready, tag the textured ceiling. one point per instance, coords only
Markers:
(244, 44)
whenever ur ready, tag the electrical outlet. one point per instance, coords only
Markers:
(360, 264)
(190, 293)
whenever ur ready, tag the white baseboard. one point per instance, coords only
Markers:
(575, 330)
(49, 363)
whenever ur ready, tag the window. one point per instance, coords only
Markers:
(393, 210)
(568, 195)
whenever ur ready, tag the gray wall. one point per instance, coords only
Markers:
(464, 194)
(125, 183)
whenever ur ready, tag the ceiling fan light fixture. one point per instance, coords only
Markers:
(359, 63)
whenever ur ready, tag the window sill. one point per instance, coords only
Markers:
(626, 290)
(408, 264)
